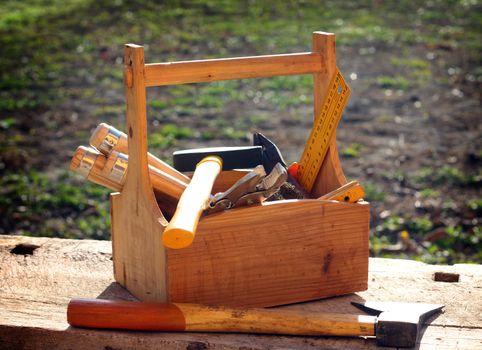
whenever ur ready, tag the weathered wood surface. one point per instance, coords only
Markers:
(38, 276)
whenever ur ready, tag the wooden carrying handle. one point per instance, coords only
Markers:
(129, 315)
(180, 231)
(106, 139)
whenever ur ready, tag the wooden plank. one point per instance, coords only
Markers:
(184, 72)
(331, 174)
(137, 222)
(264, 256)
(35, 289)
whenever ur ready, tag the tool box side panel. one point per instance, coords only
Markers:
(280, 253)
(331, 175)
(138, 255)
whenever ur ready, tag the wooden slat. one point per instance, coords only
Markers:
(264, 256)
(35, 290)
(137, 222)
(330, 176)
(184, 72)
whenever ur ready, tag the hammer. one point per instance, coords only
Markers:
(393, 324)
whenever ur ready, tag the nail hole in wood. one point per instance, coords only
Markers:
(24, 249)
(446, 277)
(196, 345)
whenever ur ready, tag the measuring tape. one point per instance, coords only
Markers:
(351, 192)
(322, 132)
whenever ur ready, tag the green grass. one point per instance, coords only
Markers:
(57, 206)
(352, 150)
(372, 193)
(43, 41)
(446, 175)
(168, 136)
(396, 82)
(56, 51)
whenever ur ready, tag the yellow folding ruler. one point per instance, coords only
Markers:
(322, 132)
(350, 192)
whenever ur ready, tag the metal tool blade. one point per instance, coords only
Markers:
(271, 153)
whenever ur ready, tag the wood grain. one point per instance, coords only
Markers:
(137, 222)
(266, 255)
(268, 321)
(158, 74)
(35, 289)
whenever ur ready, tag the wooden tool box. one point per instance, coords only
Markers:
(276, 253)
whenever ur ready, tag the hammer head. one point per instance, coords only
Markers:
(398, 324)
(271, 153)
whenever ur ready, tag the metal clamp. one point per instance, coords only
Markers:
(119, 169)
(87, 162)
(110, 141)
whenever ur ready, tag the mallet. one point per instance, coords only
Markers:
(111, 171)
(106, 139)
(396, 324)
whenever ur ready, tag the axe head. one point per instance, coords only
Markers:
(398, 324)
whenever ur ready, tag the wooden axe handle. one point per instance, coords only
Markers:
(110, 314)
(180, 231)
(99, 135)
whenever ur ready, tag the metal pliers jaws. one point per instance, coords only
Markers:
(254, 187)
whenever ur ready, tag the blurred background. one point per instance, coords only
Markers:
(411, 133)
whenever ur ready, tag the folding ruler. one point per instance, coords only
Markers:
(350, 192)
(323, 130)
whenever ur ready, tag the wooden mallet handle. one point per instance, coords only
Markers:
(106, 139)
(110, 314)
(180, 231)
(110, 172)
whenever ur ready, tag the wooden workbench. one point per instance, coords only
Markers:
(38, 276)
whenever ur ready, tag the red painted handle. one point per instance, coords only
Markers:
(97, 313)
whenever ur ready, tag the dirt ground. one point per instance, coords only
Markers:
(411, 133)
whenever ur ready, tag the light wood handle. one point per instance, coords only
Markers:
(95, 313)
(102, 140)
(180, 231)
(186, 72)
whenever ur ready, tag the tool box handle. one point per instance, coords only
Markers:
(321, 63)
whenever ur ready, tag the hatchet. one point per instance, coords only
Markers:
(393, 324)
